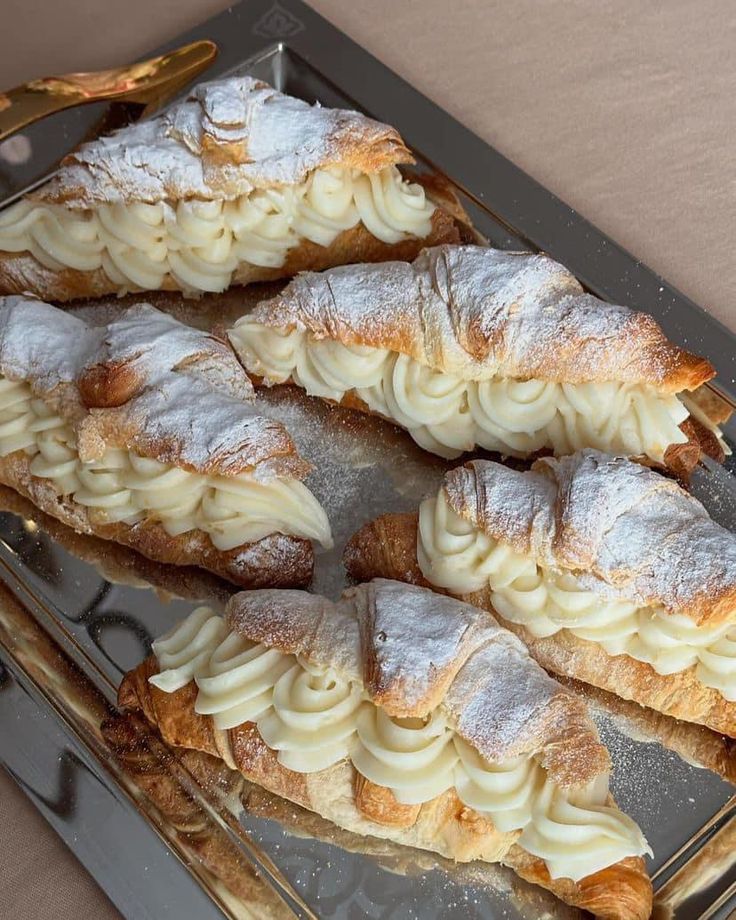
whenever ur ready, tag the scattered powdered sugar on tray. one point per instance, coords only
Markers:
(361, 467)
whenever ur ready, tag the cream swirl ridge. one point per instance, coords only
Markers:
(200, 244)
(187, 648)
(414, 758)
(314, 718)
(577, 833)
(123, 487)
(448, 415)
(453, 554)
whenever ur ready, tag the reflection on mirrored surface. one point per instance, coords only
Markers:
(103, 604)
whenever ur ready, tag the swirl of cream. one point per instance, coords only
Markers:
(505, 790)
(545, 603)
(577, 834)
(200, 246)
(512, 416)
(263, 224)
(327, 207)
(201, 243)
(185, 650)
(267, 352)
(236, 684)
(54, 236)
(330, 369)
(16, 417)
(102, 490)
(312, 722)
(419, 395)
(167, 492)
(57, 457)
(669, 642)
(431, 405)
(635, 420)
(390, 207)
(453, 554)
(414, 758)
(717, 666)
(241, 509)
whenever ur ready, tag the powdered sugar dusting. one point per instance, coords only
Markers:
(225, 139)
(187, 400)
(476, 312)
(414, 650)
(625, 530)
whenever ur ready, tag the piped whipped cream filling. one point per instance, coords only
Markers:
(453, 554)
(200, 244)
(315, 717)
(125, 487)
(447, 415)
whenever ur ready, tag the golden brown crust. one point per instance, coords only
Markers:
(444, 824)
(21, 272)
(386, 548)
(620, 892)
(226, 138)
(474, 312)
(275, 560)
(377, 803)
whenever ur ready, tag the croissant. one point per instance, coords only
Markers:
(469, 346)
(403, 714)
(236, 183)
(141, 431)
(608, 571)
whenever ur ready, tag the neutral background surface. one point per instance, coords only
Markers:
(623, 108)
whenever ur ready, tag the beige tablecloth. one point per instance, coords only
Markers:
(625, 109)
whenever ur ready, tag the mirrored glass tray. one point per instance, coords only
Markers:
(167, 833)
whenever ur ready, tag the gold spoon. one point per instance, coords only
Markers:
(148, 82)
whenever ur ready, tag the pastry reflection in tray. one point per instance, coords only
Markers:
(695, 744)
(153, 766)
(32, 535)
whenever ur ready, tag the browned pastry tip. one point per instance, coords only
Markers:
(619, 892)
(386, 548)
(172, 713)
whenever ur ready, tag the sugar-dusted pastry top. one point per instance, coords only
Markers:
(145, 418)
(422, 694)
(625, 531)
(144, 382)
(477, 313)
(452, 553)
(472, 346)
(217, 190)
(227, 138)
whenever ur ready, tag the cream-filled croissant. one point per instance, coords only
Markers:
(141, 431)
(608, 571)
(237, 183)
(403, 714)
(474, 346)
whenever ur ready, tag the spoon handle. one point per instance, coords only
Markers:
(150, 82)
